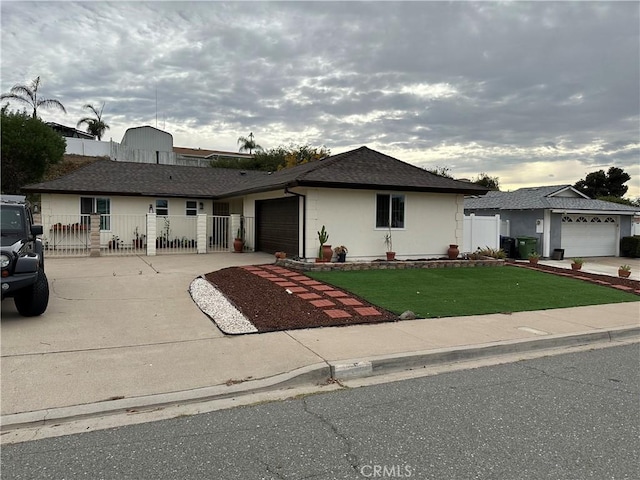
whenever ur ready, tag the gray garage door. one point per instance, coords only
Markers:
(277, 226)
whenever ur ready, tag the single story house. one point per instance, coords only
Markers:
(559, 217)
(359, 196)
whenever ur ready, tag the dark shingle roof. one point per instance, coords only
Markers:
(540, 198)
(362, 168)
(104, 177)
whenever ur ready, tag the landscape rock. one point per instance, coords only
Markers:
(407, 315)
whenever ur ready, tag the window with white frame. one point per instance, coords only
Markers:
(162, 207)
(89, 205)
(389, 210)
(192, 207)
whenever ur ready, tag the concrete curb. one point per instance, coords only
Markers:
(313, 374)
(405, 361)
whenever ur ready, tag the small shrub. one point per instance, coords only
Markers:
(630, 246)
(490, 252)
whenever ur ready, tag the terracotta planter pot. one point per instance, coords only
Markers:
(533, 261)
(327, 252)
(624, 273)
(238, 244)
(453, 252)
(391, 256)
(576, 266)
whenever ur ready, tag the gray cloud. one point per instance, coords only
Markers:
(485, 86)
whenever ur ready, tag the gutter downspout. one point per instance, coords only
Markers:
(304, 219)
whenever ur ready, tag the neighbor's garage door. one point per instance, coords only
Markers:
(589, 235)
(277, 225)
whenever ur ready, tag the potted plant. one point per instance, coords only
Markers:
(453, 251)
(533, 258)
(138, 242)
(281, 255)
(238, 242)
(341, 253)
(388, 241)
(624, 271)
(576, 263)
(324, 252)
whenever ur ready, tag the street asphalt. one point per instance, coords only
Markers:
(122, 334)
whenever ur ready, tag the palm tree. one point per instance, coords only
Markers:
(248, 143)
(95, 126)
(29, 94)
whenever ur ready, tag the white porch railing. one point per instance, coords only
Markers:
(176, 234)
(147, 234)
(66, 235)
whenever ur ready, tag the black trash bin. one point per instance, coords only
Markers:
(558, 254)
(508, 244)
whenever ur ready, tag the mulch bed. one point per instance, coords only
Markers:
(270, 308)
(633, 286)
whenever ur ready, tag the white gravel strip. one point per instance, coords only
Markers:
(215, 305)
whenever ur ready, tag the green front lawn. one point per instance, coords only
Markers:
(448, 292)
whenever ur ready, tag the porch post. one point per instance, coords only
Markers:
(235, 224)
(151, 234)
(94, 235)
(201, 233)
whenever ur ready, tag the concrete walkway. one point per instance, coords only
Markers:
(122, 333)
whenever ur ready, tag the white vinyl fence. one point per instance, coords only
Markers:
(481, 232)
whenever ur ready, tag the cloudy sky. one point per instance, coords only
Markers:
(536, 93)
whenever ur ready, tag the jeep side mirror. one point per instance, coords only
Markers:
(36, 230)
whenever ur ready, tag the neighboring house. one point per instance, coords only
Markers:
(198, 157)
(560, 217)
(355, 195)
(144, 144)
(70, 132)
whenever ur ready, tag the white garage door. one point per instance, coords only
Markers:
(589, 235)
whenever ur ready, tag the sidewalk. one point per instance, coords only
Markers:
(122, 333)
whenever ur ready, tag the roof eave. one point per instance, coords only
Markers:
(404, 188)
(115, 194)
(594, 212)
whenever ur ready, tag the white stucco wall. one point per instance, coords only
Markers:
(58, 204)
(432, 222)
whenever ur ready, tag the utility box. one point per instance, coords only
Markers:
(527, 246)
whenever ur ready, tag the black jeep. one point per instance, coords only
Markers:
(22, 257)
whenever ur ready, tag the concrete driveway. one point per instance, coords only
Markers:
(126, 326)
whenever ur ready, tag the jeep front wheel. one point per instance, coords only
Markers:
(32, 301)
